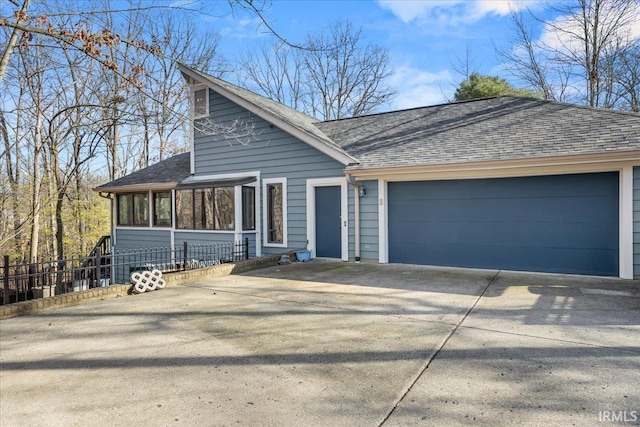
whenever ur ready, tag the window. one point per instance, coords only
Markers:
(124, 209)
(248, 208)
(184, 209)
(275, 211)
(201, 103)
(162, 209)
(133, 209)
(205, 208)
(225, 208)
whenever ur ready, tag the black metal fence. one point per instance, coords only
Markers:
(24, 281)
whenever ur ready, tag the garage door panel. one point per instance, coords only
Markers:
(559, 260)
(572, 186)
(555, 223)
(525, 209)
(540, 235)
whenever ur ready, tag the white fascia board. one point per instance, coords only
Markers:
(588, 163)
(213, 177)
(137, 188)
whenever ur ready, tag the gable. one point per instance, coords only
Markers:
(295, 123)
(233, 139)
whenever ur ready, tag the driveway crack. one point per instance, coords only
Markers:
(437, 351)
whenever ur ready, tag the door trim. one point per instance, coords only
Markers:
(311, 213)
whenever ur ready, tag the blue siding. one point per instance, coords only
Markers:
(636, 221)
(368, 222)
(561, 224)
(142, 238)
(201, 237)
(271, 151)
(134, 242)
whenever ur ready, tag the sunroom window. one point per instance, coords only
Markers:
(162, 209)
(184, 209)
(205, 208)
(133, 209)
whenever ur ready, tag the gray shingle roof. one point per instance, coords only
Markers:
(499, 128)
(172, 170)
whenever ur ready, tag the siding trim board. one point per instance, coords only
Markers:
(636, 222)
(626, 222)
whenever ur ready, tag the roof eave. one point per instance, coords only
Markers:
(594, 162)
(134, 188)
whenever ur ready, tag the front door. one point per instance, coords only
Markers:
(328, 222)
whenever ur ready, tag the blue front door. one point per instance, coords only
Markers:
(328, 227)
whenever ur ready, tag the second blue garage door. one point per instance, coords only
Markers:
(559, 224)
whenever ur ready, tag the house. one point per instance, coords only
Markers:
(502, 182)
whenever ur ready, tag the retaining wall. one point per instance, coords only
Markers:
(114, 291)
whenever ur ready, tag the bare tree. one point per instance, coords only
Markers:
(277, 72)
(466, 65)
(579, 57)
(165, 117)
(338, 75)
(88, 96)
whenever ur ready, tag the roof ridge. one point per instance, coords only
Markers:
(412, 108)
(487, 98)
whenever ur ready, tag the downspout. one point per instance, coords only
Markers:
(356, 206)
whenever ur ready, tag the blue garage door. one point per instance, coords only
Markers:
(558, 224)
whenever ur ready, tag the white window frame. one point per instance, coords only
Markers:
(265, 213)
(195, 89)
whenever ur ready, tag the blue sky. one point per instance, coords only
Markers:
(425, 38)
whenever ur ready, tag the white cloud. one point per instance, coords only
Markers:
(418, 88)
(452, 12)
(560, 33)
(243, 28)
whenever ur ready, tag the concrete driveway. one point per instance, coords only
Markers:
(333, 344)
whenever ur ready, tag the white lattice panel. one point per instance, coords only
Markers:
(144, 281)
